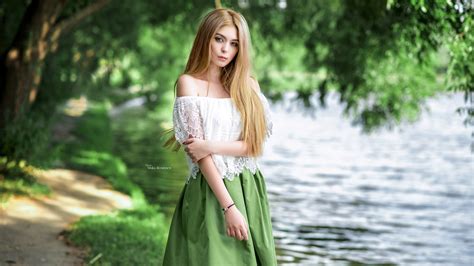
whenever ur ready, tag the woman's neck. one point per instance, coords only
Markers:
(214, 74)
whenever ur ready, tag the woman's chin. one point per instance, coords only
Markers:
(220, 64)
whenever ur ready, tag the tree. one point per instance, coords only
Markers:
(41, 27)
(381, 57)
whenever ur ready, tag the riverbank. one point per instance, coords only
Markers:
(32, 228)
(81, 208)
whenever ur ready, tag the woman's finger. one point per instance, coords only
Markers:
(238, 235)
(188, 141)
(242, 234)
(245, 234)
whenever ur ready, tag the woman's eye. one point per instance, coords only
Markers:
(218, 39)
(235, 44)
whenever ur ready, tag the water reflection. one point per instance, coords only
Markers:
(160, 173)
(339, 197)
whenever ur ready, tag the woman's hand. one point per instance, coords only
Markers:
(196, 148)
(236, 224)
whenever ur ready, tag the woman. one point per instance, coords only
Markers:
(220, 115)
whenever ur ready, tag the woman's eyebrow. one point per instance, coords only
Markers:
(226, 37)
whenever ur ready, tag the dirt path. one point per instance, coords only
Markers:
(30, 228)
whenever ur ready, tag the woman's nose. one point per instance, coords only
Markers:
(225, 47)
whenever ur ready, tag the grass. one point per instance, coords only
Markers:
(91, 151)
(126, 237)
(8, 188)
(18, 180)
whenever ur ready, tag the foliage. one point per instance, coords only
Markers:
(350, 46)
(91, 151)
(26, 139)
(384, 58)
(19, 180)
(127, 237)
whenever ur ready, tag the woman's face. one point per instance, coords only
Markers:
(224, 46)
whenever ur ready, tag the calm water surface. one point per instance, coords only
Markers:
(403, 197)
(338, 197)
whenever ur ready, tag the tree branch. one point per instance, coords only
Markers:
(63, 26)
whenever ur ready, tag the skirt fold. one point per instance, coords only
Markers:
(197, 234)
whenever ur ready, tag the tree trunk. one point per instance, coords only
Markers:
(21, 64)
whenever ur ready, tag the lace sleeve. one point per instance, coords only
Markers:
(187, 119)
(268, 115)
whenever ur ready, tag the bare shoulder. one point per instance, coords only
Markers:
(255, 85)
(186, 86)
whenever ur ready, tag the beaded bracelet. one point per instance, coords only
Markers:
(226, 208)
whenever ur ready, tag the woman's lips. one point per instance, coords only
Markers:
(222, 58)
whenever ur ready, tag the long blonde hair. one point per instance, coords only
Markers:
(235, 76)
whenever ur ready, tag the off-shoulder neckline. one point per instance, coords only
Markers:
(193, 96)
(214, 98)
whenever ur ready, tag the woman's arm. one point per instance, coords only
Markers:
(230, 148)
(199, 148)
(236, 225)
(215, 181)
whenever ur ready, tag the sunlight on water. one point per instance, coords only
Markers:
(400, 197)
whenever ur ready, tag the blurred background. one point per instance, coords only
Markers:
(371, 160)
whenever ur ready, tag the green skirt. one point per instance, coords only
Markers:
(197, 235)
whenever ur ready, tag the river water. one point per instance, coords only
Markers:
(338, 197)
(402, 197)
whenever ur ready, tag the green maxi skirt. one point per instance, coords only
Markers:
(197, 235)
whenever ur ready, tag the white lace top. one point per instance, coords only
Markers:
(215, 119)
